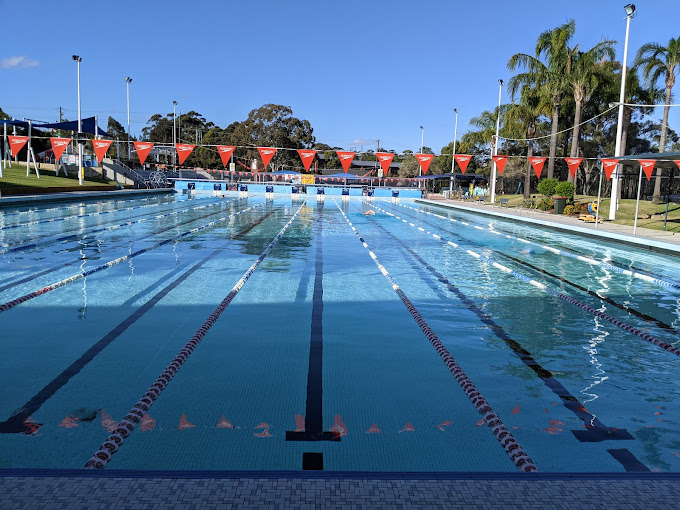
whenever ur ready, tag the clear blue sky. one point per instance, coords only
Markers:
(355, 69)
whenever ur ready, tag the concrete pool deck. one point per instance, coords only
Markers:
(211, 490)
(645, 238)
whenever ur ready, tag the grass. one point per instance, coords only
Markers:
(649, 215)
(15, 177)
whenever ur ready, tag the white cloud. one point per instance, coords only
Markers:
(8, 63)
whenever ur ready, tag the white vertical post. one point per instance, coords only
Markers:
(613, 206)
(28, 151)
(637, 203)
(453, 156)
(127, 81)
(496, 144)
(80, 127)
(599, 194)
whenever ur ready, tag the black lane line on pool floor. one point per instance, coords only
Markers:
(631, 311)
(595, 430)
(314, 408)
(17, 423)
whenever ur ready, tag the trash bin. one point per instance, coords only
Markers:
(560, 204)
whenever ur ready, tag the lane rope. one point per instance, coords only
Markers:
(582, 258)
(15, 302)
(516, 453)
(631, 329)
(112, 444)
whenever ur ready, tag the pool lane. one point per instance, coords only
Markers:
(121, 371)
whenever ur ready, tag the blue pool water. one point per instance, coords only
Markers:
(333, 340)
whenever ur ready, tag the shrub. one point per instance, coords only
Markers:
(546, 204)
(547, 187)
(568, 210)
(564, 189)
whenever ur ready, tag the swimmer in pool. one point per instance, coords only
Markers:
(527, 251)
(370, 212)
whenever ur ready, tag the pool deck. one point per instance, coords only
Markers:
(212, 490)
(22, 200)
(644, 238)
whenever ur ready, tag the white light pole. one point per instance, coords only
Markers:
(494, 151)
(127, 81)
(422, 140)
(613, 206)
(80, 127)
(174, 133)
(453, 155)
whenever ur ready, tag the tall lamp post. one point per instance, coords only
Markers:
(453, 156)
(420, 167)
(174, 133)
(77, 59)
(496, 144)
(613, 206)
(127, 81)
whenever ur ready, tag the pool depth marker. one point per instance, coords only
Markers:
(516, 453)
(113, 443)
(314, 408)
(17, 422)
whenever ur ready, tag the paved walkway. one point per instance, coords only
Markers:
(485, 492)
(656, 240)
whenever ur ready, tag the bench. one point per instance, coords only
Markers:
(504, 202)
(482, 200)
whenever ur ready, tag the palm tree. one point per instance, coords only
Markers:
(548, 77)
(526, 115)
(657, 61)
(582, 75)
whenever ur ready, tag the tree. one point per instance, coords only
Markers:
(548, 77)
(657, 61)
(582, 74)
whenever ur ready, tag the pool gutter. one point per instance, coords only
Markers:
(74, 196)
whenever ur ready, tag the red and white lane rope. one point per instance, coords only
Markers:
(113, 443)
(626, 327)
(15, 302)
(588, 260)
(518, 456)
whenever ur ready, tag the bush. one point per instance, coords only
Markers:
(546, 204)
(547, 187)
(564, 189)
(568, 210)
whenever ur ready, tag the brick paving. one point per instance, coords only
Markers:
(119, 493)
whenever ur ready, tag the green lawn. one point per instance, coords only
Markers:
(649, 215)
(15, 177)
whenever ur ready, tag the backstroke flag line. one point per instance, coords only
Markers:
(463, 161)
(307, 156)
(573, 164)
(346, 159)
(500, 163)
(16, 143)
(59, 146)
(225, 153)
(424, 160)
(609, 165)
(266, 153)
(100, 147)
(537, 163)
(143, 149)
(183, 151)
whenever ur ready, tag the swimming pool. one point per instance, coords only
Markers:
(251, 334)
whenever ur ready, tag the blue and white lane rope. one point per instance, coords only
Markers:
(15, 302)
(582, 258)
(89, 204)
(518, 456)
(80, 237)
(113, 443)
(631, 329)
(76, 216)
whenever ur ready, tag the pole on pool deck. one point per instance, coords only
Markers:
(637, 202)
(28, 151)
(668, 197)
(599, 193)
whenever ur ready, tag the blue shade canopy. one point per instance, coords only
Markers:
(87, 125)
(284, 172)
